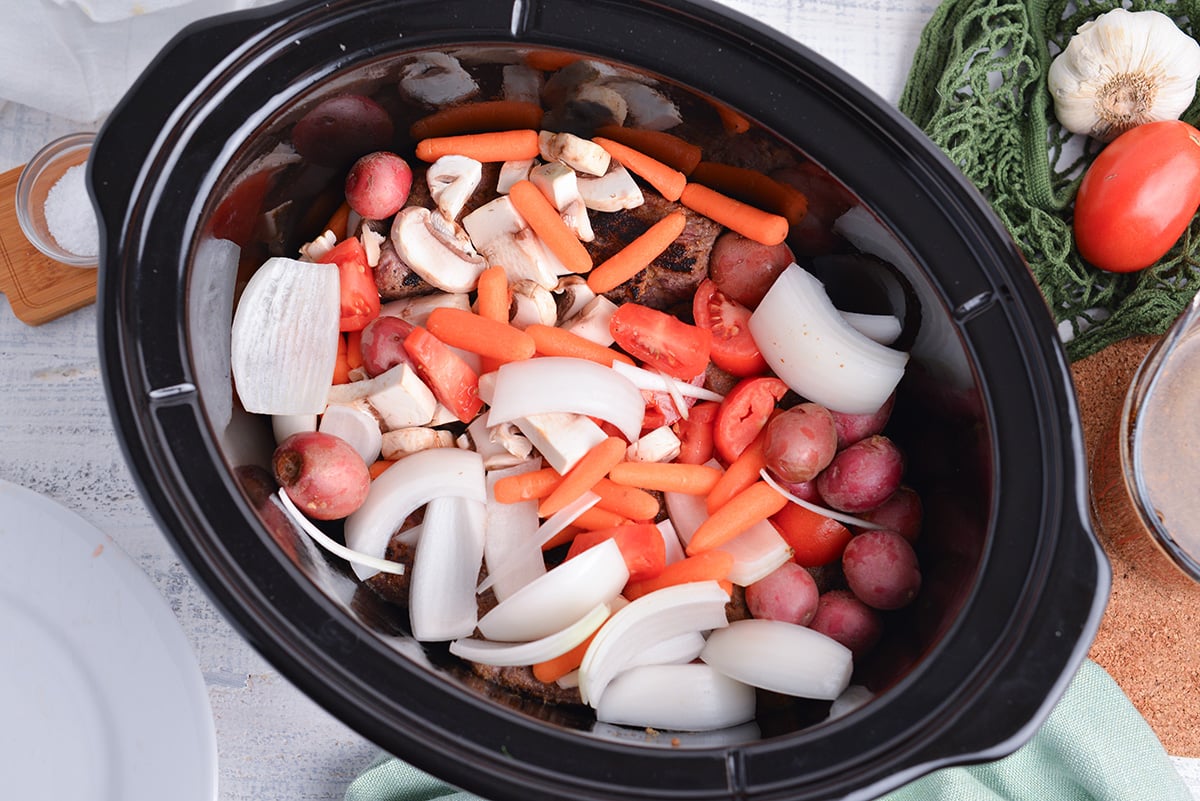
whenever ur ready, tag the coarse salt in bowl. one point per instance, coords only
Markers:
(53, 207)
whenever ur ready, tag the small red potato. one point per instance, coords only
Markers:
(339, 130)
(862, 476)
(377, 185)
(901, 513)
(744, 269)
(789, 593)
(852, 428)
(881, 569)
(383, 344)
(800, 442)
(848, 620)
(322, 474)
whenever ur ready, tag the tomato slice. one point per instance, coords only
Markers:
(733, 347)
(453, 382)
(743, 414)
(641, 545)
(358, 294)
(815, 539)
(661, 341)
(696, 433)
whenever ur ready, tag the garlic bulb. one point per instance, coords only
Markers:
(1122, 69)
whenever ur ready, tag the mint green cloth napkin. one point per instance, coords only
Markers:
(1095, 746)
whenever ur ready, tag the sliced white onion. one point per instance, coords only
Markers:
(283, 343)
(569, 680)
(562, 596)
(780, 657)
(809, 345)
(851, 699)
(671, 541)
(756, 551)
(510, 537)
(564, 384)
(284, 425)
(403, 488)
(676, 698)
(354, 423)
(652, 381)
(441, 599)
(882, 328)
(545, 532)
(841, 517)
(376, 564)
(650, 619)
(677, 650)
(502, 654)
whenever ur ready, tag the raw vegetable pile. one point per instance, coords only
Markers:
(639, 502)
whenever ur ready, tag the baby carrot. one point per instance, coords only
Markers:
(757, 502)
(493, 300)
(341, 368)
(556, 667)
(550, 60)
(562, 538)
(741, 473)
(731, 121)
(491, 146)
(378, 466)
(548, 224)
(753, 187)
(469, 331)
(707, 566)
(354, 357)
(668, 181)
(752, 223)
(631, 502)
(637, 255)
(534, 485)
(592, 467)
(553, 341)
(690, 479)
(339, 223)
(469, 118)
(668, 148)
(596, 517)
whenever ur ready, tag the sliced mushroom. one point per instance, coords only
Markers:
(425, 243)
(593, 321)
(499, 232)
(571, 295)
(452, 180)
(398, 397)
(319, 247)
(357, 424)
(566, 82)
(416, 309)
(437, 79)
(561, 437)
(558, 183)
(609, 104)
(511, 172)
(659, 445)
(372, 242)
(521, 82)
(402, 442)
(532, 304)
(500, 446)
(648, 108)
(576, 152)
(616, 190)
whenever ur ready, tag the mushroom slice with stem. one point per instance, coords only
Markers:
(504, 238)
(614, 191)
(558, 183)
(452, 180)
(428, 245)
(437, 79)
(533, 304)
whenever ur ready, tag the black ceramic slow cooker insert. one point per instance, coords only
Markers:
(1014, 580)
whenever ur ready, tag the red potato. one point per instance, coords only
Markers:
(862, 476)
(852, 428)
(800, 442)
(901, 513)
(341, 129)
(848, 620)
(378, 184)
(804, 490)
(789, 593)
(881, 569)
(322, 474)
(744, 269)
(383, 344)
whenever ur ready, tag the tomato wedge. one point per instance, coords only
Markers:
(696, 433)
(641, 544)
(661, 341)
(815, 539)
(733, 347)
(358, 294)
(453, 382)
(743, 414)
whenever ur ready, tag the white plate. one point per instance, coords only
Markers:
(100, 694)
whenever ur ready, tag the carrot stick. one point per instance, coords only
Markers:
(691, 479)
(596, 517)
(592, 467)
(534, 485)
(555, 668)
(339, 223)
(757, 502)
(741, 473)
(753, 187)
(548, 224)
(752, 223)
(550, 60)
(494, 299)
(378, 466)
(707, 566)
(354, 355)
(469, 118)
(562, 538)
(733, 122)
(491, 146)
(668, 181)
(668, 148)
(469, 331)
(341, 368)
(637, 255)
(553, 341)
(631, 502)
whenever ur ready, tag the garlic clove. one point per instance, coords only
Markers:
(1123, 69)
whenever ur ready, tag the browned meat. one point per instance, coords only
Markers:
(521, 680)
(672, 278)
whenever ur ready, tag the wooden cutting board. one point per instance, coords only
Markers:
(38, 288)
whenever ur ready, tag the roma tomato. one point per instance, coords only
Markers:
(733, 348)
(743, 413)
(358, 294)
(1138, 196)
(661, 341)
(815, 539)
(451, 380)
(696, 433)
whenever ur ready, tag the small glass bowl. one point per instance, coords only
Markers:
(34, 184)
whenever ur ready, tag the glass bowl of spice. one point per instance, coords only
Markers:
(53, 207)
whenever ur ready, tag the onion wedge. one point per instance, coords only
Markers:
(559, 598)
(781, 657)
(692, 697)
(818, 354)
(403, 488)
(544, 533)
(677, 650)
(441, 600)
(656, 616)
(565, 384)
(503, 654)
(513, 560)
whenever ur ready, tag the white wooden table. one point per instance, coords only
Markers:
(274, 743)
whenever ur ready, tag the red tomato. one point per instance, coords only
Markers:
(452, 380)
(641, 544)
(733, 348)
(696, 433)
(359, 295)
(815, 539)
(660, 340)
(743, 414)
(1138, 196)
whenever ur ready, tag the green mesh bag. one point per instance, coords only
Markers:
(978, 89)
